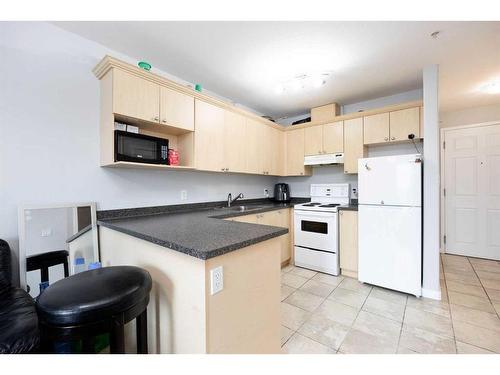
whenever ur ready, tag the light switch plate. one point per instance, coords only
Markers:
(216, 280)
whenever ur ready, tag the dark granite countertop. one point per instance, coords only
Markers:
(351, 207)
(196, 229)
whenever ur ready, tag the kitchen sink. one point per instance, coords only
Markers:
(240, 208)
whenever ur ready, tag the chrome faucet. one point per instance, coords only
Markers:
(230, 199)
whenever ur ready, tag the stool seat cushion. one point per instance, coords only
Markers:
(18, 322)
(93, 295)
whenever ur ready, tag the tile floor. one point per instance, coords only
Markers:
(328, 314)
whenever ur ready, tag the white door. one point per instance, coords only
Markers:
(390, 180)
(390, 247)
(472, 191)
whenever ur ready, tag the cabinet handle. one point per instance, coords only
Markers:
(164, 121)
(156, 118)
(393, 138)
(222, 169)
(227, 169)
(386, 138)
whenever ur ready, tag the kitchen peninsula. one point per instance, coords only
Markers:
(180, 246)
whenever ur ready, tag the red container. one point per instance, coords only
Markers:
(173, 157)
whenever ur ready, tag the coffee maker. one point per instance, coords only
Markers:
(281, 193)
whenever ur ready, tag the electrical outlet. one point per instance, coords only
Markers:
(184, 195)
(216, 280)
(266, 193)
(46, 232)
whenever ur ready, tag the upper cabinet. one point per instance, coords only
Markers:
(176, 109)
(394, 126)
(295, 153)
(354, 148)
(324, 139)
(140, 99)
(135, 97)
(209, 137)
(403, 123)
(376, 128)
(313, 140)
(234, 148)
(333, 137)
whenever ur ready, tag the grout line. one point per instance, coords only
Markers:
(484, 289)
(449, 306)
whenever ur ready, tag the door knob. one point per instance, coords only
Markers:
(156, 118)
(164, 121)
(386, 138)
(393, 138)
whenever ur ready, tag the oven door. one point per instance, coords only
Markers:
(316, 230)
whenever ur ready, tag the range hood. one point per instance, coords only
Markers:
(324, 159)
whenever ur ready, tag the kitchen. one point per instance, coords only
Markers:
(223, 204)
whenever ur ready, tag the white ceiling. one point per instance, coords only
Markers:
(245, 61)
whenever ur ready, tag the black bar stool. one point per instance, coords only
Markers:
(43, 261)
(94, 302)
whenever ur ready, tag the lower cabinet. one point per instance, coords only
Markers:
(277, 218)
(348, 228)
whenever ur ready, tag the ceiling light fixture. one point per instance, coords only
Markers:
(303, 82)
(491, 87)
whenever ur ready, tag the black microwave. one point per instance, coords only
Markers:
(140, 148)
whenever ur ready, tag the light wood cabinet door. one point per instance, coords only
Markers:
(404, 122)
(295, 153)
(313, 140)
(176, 109)
(348, 228)
(333, 137)
(279, 218)
(266, 148)
(209, 137)
(286, 243)
(135, 97)
(277, 152)
(234, 149)
(253, 146)
(376, 128)
(354, 148)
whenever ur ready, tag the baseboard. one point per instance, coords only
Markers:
(433, 294)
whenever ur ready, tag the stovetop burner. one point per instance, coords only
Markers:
(312, 204)
(330, 205)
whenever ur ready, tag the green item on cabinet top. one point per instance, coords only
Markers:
(144, 65)
(197, 87)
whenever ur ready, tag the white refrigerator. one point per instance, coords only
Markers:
(390, 222)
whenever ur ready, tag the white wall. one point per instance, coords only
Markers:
(402, 97)
(49, 145)
(431, 206)
(468, 116)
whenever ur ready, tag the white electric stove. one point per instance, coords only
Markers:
(316, 228)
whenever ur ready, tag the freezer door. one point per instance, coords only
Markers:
(390, 247)
(390, 180)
